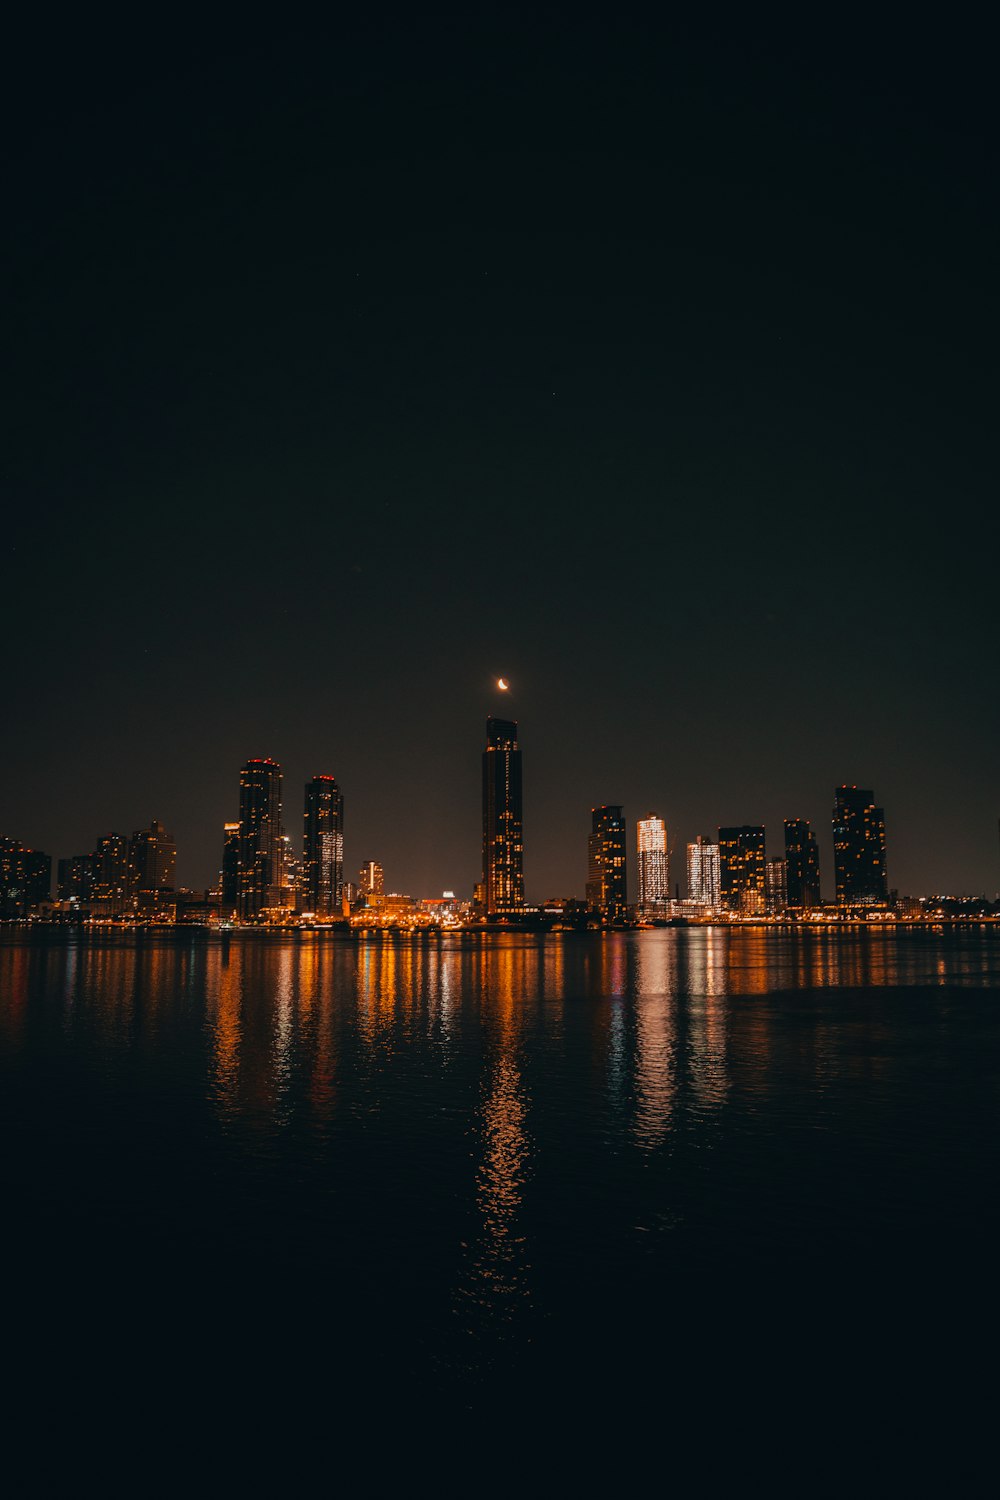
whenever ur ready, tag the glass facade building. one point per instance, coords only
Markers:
(652, 868)
(859, 847)
(260, 880)
(323, 847)
(801, 865)
(742, 884)
(606, 877)
(229, 875)
(703, 872)
(503, 834)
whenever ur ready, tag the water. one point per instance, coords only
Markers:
(629, 1173)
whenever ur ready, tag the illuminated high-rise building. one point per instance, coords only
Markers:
(25, 878)
(503, 833)
(76, 878)
(859, 847)
(110, 886)
(606, 879)
(323, 847)
(653, 867)
(801, 865)
(775, 886)
(229, 875)
(371, 881)
(152, 862)
(703, 872)
(292, 876)
(260, 883)
(742, 885)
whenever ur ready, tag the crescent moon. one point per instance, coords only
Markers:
(502, 684)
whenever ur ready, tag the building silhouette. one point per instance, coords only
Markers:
(229, 875)
(260, 880)
(742, 885)
(110, 887)
(152, 863)
(653, 868)
(323, 847)
(859, 847)
(76, 878)
(503, 833)
(606, 881)
(801, 865)
(703, 872)
(371, 880)
(25, 878)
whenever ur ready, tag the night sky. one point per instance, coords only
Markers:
(651, 366)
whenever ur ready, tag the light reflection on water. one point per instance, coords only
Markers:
(486, 1121)
(495, 1278)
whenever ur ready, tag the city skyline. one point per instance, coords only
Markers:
(677, 417)
(500, 791)
(262, 876)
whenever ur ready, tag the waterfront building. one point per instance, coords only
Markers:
(292, 875)
(503, 832)
(703, 872)
(741, 869)
(323, 847)
(25, 878)
(260, 876)
(229, 875)
(606, 878)
(110, 887)
(775, 886)
(859, 847)
(152, 864)
(801, 865)
(371, 881)
(653, 868)
(75, 878)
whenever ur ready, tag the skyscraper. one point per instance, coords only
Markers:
(775, 885)
(25, 878)
(503, 835)
(801, 865)
(606, 882)
(260, 838)
(229, 875)
(76, 877)
(741, 869)
(110, 886)
(152, 863)
(323, 847)
(371, 881)
(858, 847)
(653, 864)
(703, 872)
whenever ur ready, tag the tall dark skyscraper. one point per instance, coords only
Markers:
(323, 847)
(801, 865)
(503, 834)
(859, 847)
(76, 877)
(229, 875)
(260, 885)
(742, 869)
(606, 881)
